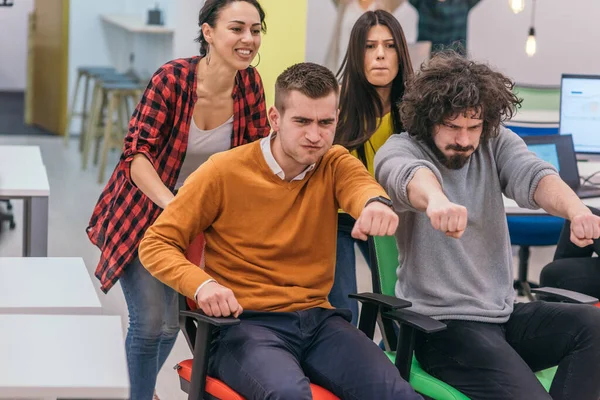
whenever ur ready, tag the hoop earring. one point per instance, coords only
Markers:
(254, 66)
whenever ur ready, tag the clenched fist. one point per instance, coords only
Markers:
(585, 227)
(447, 217)
(376, 219)
(218, 301)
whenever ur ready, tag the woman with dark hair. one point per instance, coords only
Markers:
(348, 12)
(192, 108)
(372, 78)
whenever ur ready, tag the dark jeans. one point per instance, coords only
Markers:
(573, 267)
(345, 266)
(274, 355)
(496, 361)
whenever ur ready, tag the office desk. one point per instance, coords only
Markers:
(538, 118)
(62, 356)
(23, 176)
(585, 170)
(34, 285)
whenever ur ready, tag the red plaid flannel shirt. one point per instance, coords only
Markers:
(159, 129)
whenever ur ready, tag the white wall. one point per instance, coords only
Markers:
(93, 43)
(567, 33)
(13, 45)
(321, 21)
(183, 17)
(567, 36)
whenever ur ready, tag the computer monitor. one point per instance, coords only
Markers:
(580, 111)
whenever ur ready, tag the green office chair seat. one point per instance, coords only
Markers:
(432, 387)
(384, 261)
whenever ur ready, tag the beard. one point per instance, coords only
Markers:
(456, 161)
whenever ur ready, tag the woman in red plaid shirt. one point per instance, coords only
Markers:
(191, 109)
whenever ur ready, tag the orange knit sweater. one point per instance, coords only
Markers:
(270, 241)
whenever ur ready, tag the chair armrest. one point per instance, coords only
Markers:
(381, 300)
(199, 316)
(420, 322)
(199, 339)
(566, 295)
(410, 322)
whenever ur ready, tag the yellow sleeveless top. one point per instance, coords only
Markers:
(376, 141)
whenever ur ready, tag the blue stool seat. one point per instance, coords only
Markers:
(112, 77)
(542, 230)
(93, 70)
(122, 85)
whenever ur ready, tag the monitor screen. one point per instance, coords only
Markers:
(580, 111)
(547, 152)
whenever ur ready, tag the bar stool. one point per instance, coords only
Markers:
(115, 98)
(96, 122)
(86, 74)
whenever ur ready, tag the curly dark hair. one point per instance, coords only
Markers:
(449, 85)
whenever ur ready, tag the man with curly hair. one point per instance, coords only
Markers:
(446, 175)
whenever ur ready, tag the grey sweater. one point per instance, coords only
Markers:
(469, 278)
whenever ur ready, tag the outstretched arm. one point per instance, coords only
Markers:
(557, 198)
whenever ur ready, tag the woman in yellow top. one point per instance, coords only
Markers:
(372, 76)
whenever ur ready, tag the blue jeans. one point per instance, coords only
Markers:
(345, 267)
(276, 355)
(153, 327)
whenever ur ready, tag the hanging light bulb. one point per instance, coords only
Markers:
(517, 5)
(530, 46)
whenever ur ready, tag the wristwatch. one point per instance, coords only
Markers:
(380, 199)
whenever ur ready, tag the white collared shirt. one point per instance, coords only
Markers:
(265, 145)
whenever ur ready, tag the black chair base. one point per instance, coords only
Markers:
(524, 288)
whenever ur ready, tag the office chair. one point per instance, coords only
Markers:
(399, 346)
(200, 330)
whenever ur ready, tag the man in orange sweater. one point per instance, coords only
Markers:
(268, 211)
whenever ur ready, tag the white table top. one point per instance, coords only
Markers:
(62, 356)
(22, 172)
(133, 23)
(30, 285)
(535, 117)
(585, 170)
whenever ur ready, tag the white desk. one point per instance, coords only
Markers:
(46, 286)
(23, 176)
(585, 170)
(134, 46)
(535, 118)
(134, 23)
(62, 356)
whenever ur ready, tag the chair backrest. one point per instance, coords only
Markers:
(384, 262)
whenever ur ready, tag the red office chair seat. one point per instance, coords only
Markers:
(214, 387)
(221, 391)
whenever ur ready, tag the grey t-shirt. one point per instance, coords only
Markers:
(469, 278)
(201, 145)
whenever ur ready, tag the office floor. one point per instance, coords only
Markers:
(12, 109)
(73, 194)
